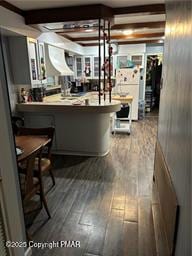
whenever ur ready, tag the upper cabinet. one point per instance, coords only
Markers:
(95, 67)
(122, 61)
(79, 67)
(83, 66)
(42, 63)
(28, 61)
(138, 59)
(33, 60)
(88, 67)
(70, 61)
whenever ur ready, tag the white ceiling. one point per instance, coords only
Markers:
(124, 19)
(36, 4)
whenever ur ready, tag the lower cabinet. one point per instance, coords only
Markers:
(80, 133)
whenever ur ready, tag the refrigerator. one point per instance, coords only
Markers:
(127, 82)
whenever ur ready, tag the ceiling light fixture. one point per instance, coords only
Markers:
(128, 32)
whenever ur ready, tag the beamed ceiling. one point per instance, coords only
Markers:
(132, 21)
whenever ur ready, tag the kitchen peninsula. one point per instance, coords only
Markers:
(82, 125)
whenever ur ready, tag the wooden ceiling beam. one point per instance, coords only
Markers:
(66, 14)
(148, 9)
(155, 41)
(118, 37)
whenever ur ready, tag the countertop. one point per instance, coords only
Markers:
(123, 99)
(71, 103)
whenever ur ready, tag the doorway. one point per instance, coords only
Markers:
(153, 83)
(11, 215)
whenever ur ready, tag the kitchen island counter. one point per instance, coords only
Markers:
(80, 129)
(71, 104)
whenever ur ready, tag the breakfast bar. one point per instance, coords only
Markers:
(82, 125)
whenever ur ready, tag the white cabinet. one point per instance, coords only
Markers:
(24, 60)
(33, 60)
(138, 59)
(84, 66)
(89, 66)
(95, 67)
(41, 62)
(122, 61)
(79, 67)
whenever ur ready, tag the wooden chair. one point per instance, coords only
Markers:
(46, 163)
(30, 185)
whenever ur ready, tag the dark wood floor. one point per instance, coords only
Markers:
(105, 203)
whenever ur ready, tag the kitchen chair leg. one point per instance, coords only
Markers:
(43, 199)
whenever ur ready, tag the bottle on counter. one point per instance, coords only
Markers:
(30, 96)
(23, 95)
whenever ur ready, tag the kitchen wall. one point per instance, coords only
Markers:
(154, 49)
(175, 120)
(122, 49)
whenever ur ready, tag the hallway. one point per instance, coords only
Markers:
(105, 203)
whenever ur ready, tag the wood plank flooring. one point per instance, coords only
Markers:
(105, 203)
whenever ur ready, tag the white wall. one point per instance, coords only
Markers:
(15, 23)
(154, 49)
(122, 49)
(132, 48)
